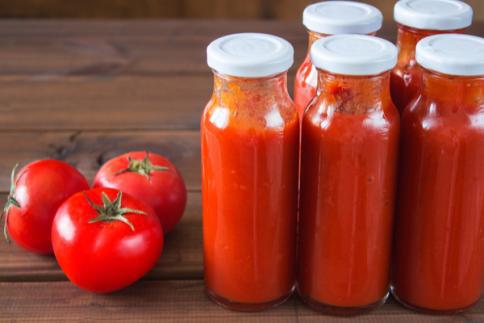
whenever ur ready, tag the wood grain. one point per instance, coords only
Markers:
(181, 259)
(89, 150)
(123, 102)
(172, 301)
(90, 8)
(281, 9)
(42, 49)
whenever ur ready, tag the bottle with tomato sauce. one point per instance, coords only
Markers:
(438, 256)
(349, 154)
(416, 20)
(250, 144)
(330, 18)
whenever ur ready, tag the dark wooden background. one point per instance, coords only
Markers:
(245, 9)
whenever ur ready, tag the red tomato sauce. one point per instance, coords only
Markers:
(250, 135)
(349, 150)
(439, 246)
(406, 76)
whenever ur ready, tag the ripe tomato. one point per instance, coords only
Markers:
(36, 192)
(150, 178)
(105, 240)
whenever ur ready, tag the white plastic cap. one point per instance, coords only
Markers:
(250, 55)
(342, 17)
(433, 14)
(354, 54)
(452, 54)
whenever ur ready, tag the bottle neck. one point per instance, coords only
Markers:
(233, 91)
(312, 37)
(451, 94)
(407, 39)
(354, 94)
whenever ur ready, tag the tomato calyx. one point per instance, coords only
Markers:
(111, 210)
(11, 201)
(142, 166)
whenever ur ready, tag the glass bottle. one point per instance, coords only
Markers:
(438, 256)
(249, 139)
(349, 153)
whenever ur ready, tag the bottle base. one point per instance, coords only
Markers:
(245, 307)
(339, 310)
(423, 310)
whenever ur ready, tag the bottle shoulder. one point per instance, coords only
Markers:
(427, 114)
(322, 115)
(275, 114)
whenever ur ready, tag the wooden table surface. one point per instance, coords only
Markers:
(85, 91)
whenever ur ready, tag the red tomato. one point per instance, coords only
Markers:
(105, 240)
(36, 193)
(150, 178)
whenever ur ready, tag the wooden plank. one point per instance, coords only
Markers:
(223, 9)
(124, 102)
(124, 29)
(88, 9)
(89, 150)
(172, 301)
(284, 9)
(181, 259)
(62, 48)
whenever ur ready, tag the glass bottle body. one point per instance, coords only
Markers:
(438, 261)
(249, 140)
(349, 152)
